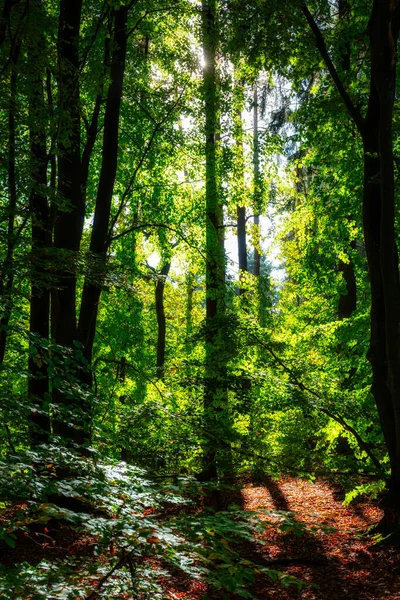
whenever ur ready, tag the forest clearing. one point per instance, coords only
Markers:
(199, 300)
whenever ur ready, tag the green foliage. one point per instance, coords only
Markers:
(285, 376)
(124, 517)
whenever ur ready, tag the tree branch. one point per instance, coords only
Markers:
(139, 165)
(161, 225)
(320, 43)
(338, 418)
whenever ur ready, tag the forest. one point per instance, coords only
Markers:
(199, 299)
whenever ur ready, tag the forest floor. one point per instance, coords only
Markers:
(341, 562)
(331, 554)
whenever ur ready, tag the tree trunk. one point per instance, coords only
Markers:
(38, 384)
(257, 185)
(7, 272)
(238, 188)
(385, 314)
(70, 210)
(214, 392)
(100, 239)
(190, 288)
(161, 323)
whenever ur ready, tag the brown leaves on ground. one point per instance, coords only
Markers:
(345, 568)
(330, 553)
(339, 562)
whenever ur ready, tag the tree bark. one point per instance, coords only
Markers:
(70, 210)
(384, 36)
(214, 393)
(239, 193)
(7, 272)
(38, 383)
(256, 184)
(99, 239)
(161, 322)
(92, 129)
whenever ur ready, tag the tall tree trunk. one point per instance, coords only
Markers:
(190, 288)
(70, 210)
(379, 228)
(239, 191)
(215, 391)
(383, 36)
(38, 384)
(372, 234)
(161, 322)
(7, 271)
(92, 128)
(256, 184)
(100, 239)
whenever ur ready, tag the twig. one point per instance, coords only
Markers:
(120, 563)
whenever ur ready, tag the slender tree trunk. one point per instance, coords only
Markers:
(38, 384)
(7, 272)
(92, 129)
(190, 287)
(70, 209)
(101, 222)
(372, 234)
(239, 188)
(256, 184)
(215, 389)
(242, 241)
(161, 322)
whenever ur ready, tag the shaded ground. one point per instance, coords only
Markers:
(347, 568)
(338, 561)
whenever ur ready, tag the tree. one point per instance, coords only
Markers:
(214, 392)
(100, 234)
(239, 185)
(376, 131)
(70, 210)
(38, 385)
